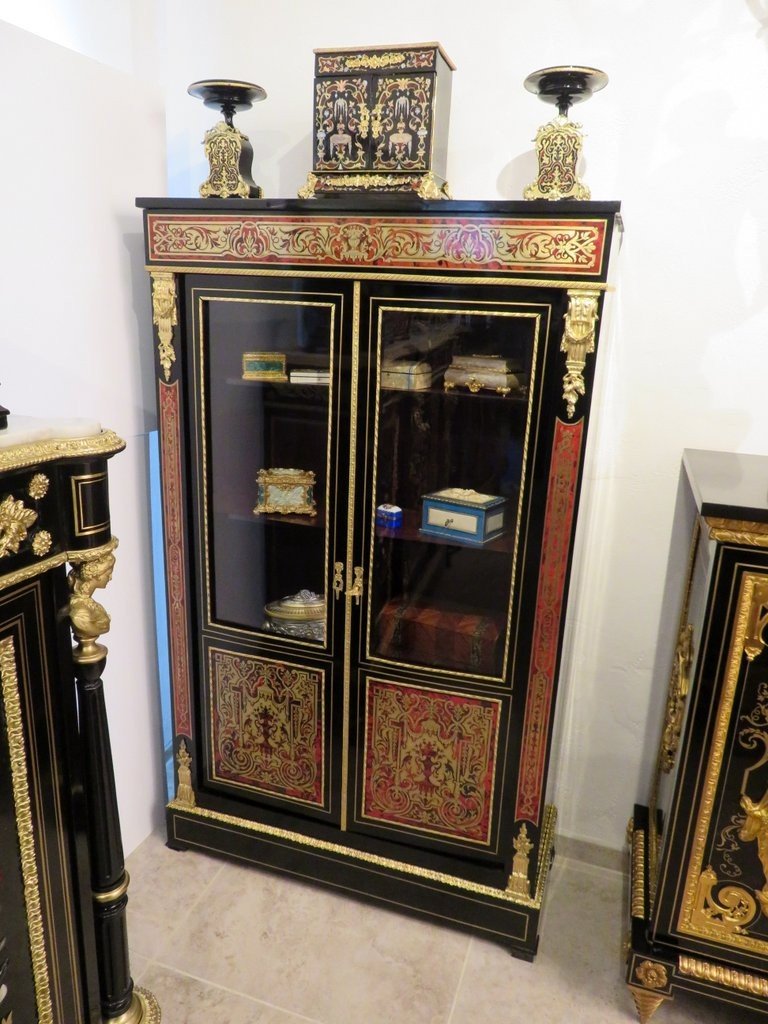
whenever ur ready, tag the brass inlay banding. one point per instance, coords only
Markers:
(25, 828)
(360, 274)
(388, 863)
(114, 894)
(356, 299)
(78, 507)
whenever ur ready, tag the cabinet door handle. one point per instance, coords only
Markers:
(338, 579)
(356, 590)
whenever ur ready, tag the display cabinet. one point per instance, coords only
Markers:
(373, 421)
(699, 849)
(63, 885)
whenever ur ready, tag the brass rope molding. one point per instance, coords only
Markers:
(22, 455)
(703, 970)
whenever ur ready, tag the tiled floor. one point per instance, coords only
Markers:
(218, 943)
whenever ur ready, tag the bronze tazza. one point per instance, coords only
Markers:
(229, 152)
(558, 143)
(397, 751)
(699, 848)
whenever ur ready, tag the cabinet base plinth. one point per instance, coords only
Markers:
(494, 914)
(658, 965)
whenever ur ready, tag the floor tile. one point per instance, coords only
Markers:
(578, 976)
(186, 1000)
(165, 886)
(323, 955)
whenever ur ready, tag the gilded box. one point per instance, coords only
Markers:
(287, 491)
(477, 373)
(406, 375)
(269, 366)
(460, 513)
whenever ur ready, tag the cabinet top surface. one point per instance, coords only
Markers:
(28, 440)
(728, 484)
(388, 204)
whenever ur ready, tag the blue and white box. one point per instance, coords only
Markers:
(459, 513)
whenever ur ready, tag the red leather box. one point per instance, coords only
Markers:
(413, 631)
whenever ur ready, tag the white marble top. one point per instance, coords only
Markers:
(26, 429)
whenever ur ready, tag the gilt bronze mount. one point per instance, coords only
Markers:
(229, 152)
(558, 143)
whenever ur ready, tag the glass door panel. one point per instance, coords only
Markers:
(452, 415)
(269, 362)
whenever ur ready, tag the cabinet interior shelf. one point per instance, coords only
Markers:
(239, 382)
(462, 393)
(284, 519)
(410, 531)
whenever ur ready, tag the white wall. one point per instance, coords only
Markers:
(81, 140)
(678, 136)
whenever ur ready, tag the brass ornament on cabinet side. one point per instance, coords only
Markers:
(730, 913)
(726, 918)
(646, 1003)
(755, 828)
(678, 691)
(185, 794)
(519, 882)
(754, 644)
(737, 531)
(703, 970)
(652, 974)
(164, 316)
(637, 857)
(15, 521)
(20, 784)
(578, 342)
(41, 543)
(88, 618)
(38, 486)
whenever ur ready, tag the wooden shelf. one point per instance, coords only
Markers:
(461, 393)
(318, 521)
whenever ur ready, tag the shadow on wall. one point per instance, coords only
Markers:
(141, 307)
(518, 174)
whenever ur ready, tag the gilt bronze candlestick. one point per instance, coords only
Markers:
(229, 152)
(558, 143)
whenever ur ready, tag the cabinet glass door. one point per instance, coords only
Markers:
(269, 369)
(450, 408)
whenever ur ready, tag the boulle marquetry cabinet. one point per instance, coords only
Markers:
(63, 948)
(699, 849)
(373, 418)
(381, 120)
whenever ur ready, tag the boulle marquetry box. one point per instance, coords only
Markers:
(63, 948)
(699, 850)
(360, 697)
(381, 120)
